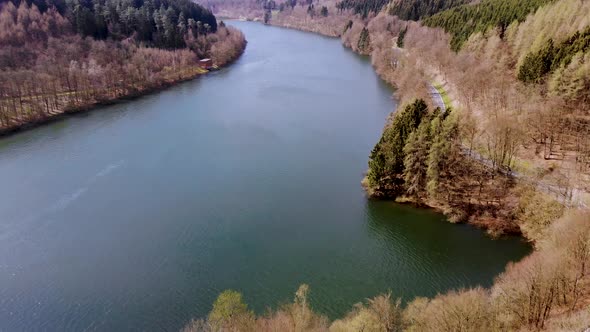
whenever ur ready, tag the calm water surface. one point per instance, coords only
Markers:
(136, 216)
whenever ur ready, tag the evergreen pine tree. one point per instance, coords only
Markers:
(416, 153)
(386, 164)
(364, 43)
(435, 156)
(401, 36)
(267, 16)
(444, 153)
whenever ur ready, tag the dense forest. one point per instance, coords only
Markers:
(161, 23)
(551, 57)
(416, 10)
(362, 7)
(421, 157)
(463, 21)
(98, 51)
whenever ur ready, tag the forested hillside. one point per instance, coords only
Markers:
(463, 21)
(554, 55)
(62, 56)
(416, 10)
(161, 23)
(362, 7)
(539, 128)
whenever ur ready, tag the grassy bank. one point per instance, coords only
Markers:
(443, 94)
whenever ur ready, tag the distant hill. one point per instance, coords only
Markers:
(362, 7)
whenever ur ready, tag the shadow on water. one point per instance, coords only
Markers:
(439, 253)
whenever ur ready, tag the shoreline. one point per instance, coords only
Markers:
(82, 109)
(535, 276)
(495, 228)
(79, 110)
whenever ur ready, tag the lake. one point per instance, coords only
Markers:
(137, 215)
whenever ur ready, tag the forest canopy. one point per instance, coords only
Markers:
(418, 9)
(48, 67)
(362, 7)
(465, 20)
(551, 57)
(159, 23)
